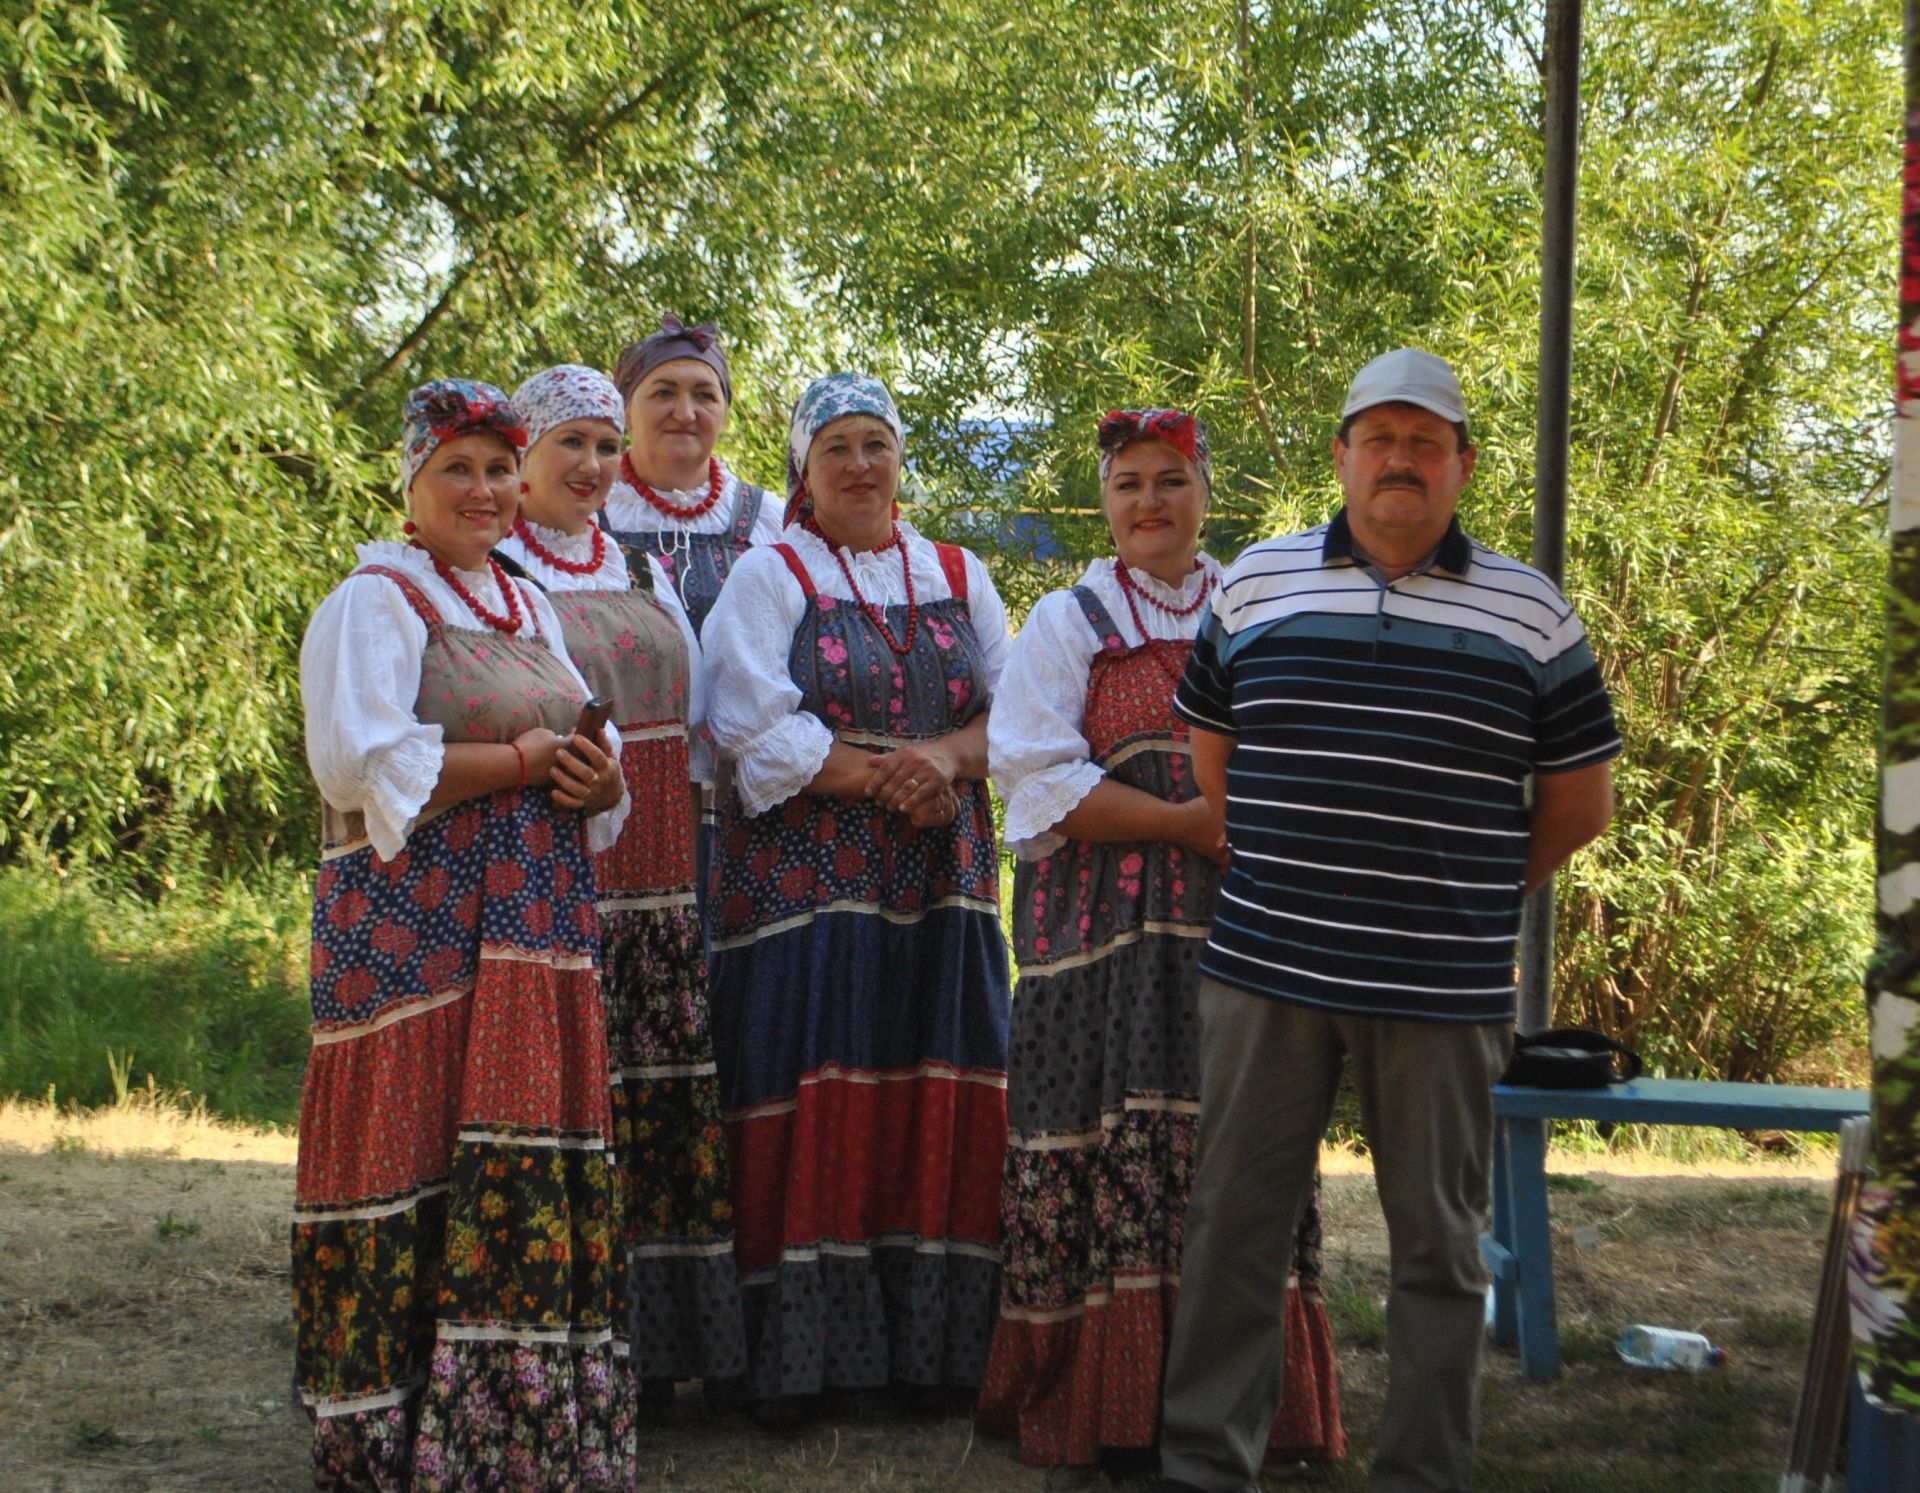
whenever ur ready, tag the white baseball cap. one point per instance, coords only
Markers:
(1407, 376)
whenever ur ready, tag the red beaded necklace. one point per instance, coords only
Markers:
(874, 614)
(510, 623)
(715, 479)
(1132, 588)
(568, 567)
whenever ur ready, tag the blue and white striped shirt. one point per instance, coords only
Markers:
(1376, 793)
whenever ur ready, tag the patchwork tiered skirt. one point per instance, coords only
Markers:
(456, 1253)
(1099, 1166)
(669, 1148)
(862, 1047)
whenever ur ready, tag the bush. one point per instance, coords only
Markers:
(204, 991)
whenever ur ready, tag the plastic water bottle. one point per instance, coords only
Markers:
(1668, 1348)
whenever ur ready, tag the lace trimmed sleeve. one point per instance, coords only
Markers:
(1040, 760)
(753, 705)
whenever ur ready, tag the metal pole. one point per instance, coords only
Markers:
(1558, 194)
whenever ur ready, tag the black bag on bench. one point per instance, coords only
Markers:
(1570, 1057)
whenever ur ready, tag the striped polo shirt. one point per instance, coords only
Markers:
(1376, 794)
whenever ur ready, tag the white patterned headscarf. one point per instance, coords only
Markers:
(570, 391)
(826, 399)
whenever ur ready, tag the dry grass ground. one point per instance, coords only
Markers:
(144, 1341)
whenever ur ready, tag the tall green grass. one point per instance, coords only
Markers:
(203, 993)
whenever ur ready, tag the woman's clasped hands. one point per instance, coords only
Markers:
(916, 781)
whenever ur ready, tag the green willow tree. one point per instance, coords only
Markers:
(1275, 192)
(1739, 174)
(231, 237)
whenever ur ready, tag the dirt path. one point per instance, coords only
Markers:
(145, 1343)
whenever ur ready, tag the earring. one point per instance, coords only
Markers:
(409, 527)
(524, 489)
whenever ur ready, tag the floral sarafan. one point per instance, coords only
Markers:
(1102, 1105)
(458, 1266)
(866, 1113)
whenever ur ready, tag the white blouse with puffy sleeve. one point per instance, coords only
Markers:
(360, 676)
(753, 705)
(1041, 762)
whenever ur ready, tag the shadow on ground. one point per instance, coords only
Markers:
(145, 1343)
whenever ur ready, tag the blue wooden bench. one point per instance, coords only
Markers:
(1883, 1446)
(1519, 1251)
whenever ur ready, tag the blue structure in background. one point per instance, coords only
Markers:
(992, 448)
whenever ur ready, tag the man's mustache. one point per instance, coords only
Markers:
(1400, 479)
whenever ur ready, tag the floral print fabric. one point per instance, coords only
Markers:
(448, 407)
(456, 1256)
(676, 1221)
(1102, 1103)
(568, 391)
(810, 853)
(1186, 433)
(826, 399)
(860, 1007)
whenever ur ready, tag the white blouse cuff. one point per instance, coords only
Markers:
(781, 761)
(604, 829)
(401, 778)
(700, 758)
(1041, 801)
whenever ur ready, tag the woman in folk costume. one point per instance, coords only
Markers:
(1119, 862)
(630, 637)
(674, 498)
(860, 976)
(455, 1245)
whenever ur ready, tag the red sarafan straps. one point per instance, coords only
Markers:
(953, 564)
(953, 561)
(798, 567)
(876, 615)
(425, 610)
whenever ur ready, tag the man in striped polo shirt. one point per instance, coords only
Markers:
(1369, 701)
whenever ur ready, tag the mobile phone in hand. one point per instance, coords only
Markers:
(593, 718)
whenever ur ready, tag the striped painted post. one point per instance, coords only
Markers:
(1885, 1286)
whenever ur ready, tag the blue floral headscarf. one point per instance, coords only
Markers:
(570, 391)
(450, 407)
(826, 399)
